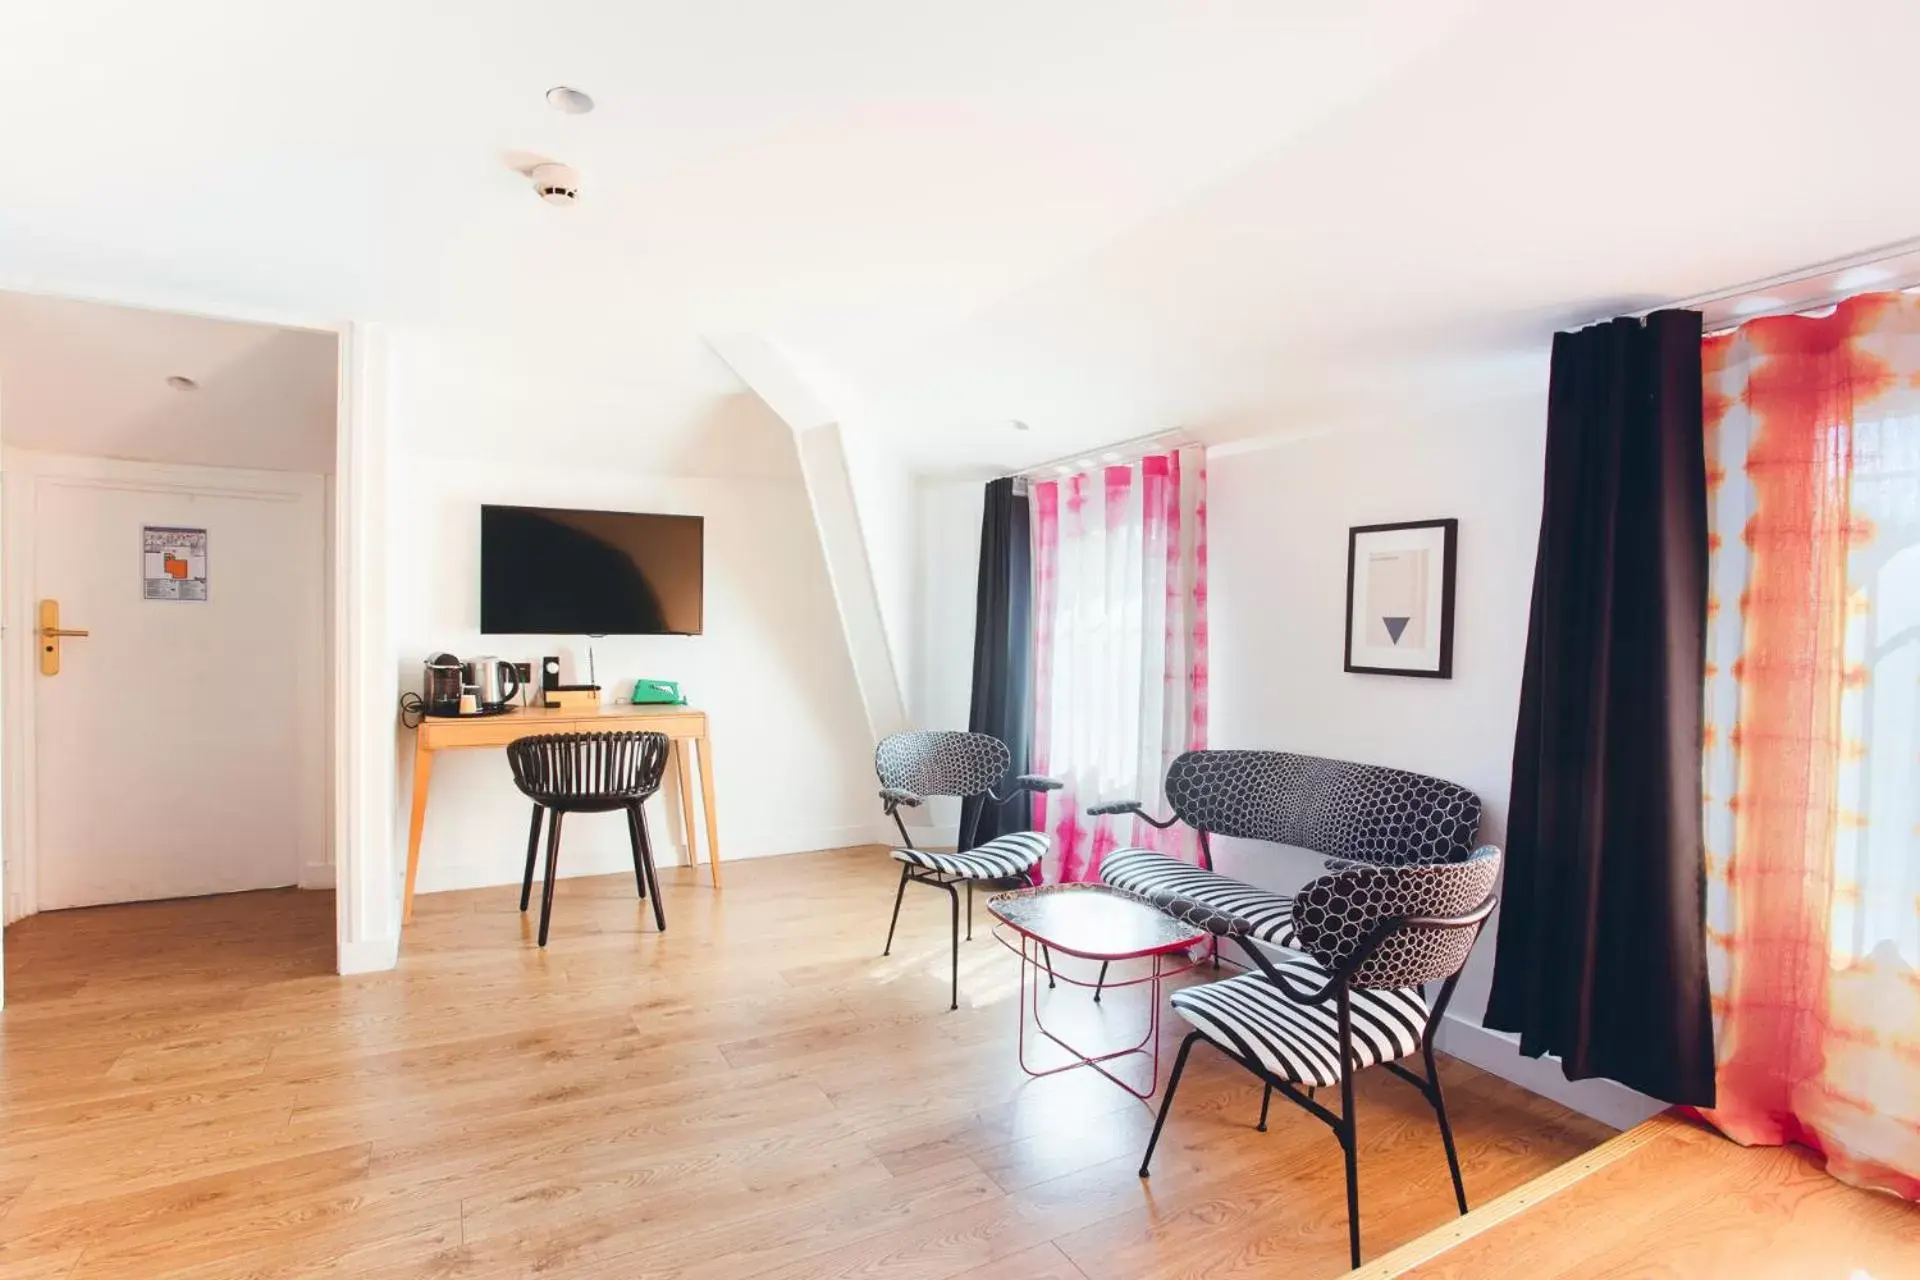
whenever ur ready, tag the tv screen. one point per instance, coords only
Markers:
(555, 571)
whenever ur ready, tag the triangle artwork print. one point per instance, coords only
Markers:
(1395, 598)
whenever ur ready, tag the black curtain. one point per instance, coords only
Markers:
(1601, 953)
(1002, 650)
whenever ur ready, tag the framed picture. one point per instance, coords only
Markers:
(1400, 598)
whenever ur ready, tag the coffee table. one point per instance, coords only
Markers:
(1093, 922)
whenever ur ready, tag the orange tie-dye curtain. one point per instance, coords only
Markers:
(1812, 765)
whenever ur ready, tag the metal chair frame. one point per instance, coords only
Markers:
(894, 798)
(1338, 987)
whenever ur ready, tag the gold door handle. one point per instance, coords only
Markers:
(51, 633)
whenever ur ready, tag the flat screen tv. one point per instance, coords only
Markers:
(556, 571)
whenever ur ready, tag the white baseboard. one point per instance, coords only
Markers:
(603, 858)
(317, 875)
(369, 955)
(1497, 1052)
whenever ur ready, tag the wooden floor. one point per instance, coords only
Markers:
(1671, 1198)
(186, 1090)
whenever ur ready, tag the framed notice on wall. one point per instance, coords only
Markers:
(1400, 598)
(173, 563)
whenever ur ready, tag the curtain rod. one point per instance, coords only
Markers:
(1128, 449)
(1864, 258)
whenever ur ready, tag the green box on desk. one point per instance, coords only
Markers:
(649, 692)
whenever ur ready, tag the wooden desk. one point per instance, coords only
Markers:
(684, 727)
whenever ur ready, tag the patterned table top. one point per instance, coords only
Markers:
(1093, 921)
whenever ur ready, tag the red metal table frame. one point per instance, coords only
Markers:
(1035, 962)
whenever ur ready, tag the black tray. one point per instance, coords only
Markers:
(472, 715)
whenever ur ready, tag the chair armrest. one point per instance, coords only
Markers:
(1223, 924)
(1023, 784)
(1113, 807)
(894, 797)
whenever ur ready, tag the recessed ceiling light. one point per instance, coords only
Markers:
(179, 382)
(569, 100)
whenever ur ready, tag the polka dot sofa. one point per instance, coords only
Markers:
(1348, 812)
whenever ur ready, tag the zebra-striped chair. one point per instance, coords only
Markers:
(944, 762)
(1371, 935)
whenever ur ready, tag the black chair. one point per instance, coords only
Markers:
(567, 773)
(944, 762)
(1374, 934)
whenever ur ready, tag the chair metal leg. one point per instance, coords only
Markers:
(900, 893)
(954, 895)
(969, 911)
(533, 855)
(1048, 957)
(553, 860)
(1166, 1102)
(1348, 1134)
(633, 841)
(1101, 983)
(653, 873)
(1266, 1100)
(1446, 1132)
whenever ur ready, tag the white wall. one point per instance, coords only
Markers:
(793, 761)
(946, 553)
(882, 487)
(1278, 515)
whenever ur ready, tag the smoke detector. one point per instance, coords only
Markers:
(556, 183)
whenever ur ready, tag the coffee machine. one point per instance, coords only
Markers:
(445, 681)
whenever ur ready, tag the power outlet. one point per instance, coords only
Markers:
(523, 670)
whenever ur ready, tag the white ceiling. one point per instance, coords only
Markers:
(88, 379)
(1098, 216)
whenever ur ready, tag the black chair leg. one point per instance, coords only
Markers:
(1446, 1133)
(969, 911)
(954, 894)
(1166, 1103)
(899, 893)
(1350, 1143)
(1048, 957)
(553, 861)
(633, 841)
(1266, 1100)
(653, 873)
(533, 855)
(1101, 984)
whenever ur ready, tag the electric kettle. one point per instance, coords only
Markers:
(493, 681)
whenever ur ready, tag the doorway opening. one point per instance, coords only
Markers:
(167, 676)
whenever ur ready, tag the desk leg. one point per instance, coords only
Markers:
(422, 776)
(680, 748)
(706, 796)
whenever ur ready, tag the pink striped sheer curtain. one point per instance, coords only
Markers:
(1120, 649)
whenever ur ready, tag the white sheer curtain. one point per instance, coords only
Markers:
(1120, 668)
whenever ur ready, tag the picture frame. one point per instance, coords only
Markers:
(1400, 598)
